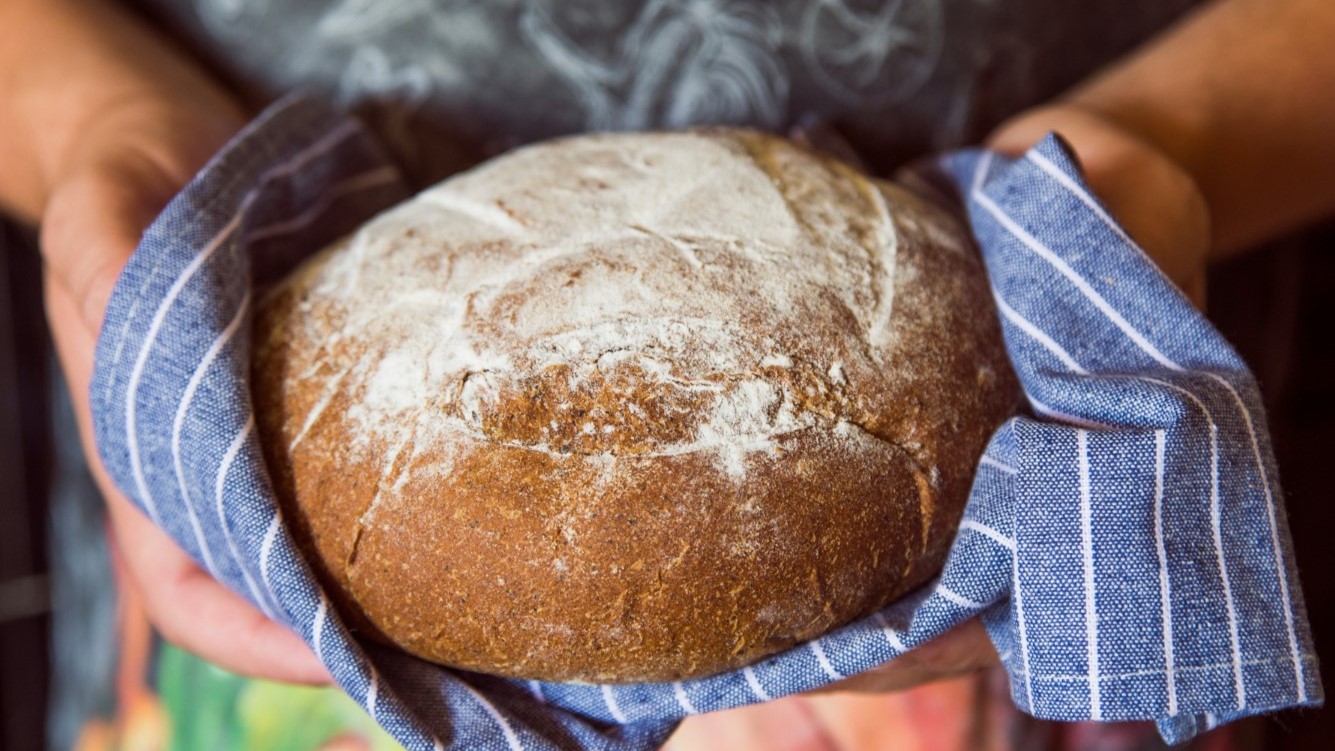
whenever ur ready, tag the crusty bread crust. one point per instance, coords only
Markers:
(625, 408)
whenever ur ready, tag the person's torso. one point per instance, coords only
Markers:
(446, 81)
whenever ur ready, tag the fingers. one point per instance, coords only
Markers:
(949, 714)
(963, 650)
(782, 725)
(196, 613)
(190, 608)
(825, 720)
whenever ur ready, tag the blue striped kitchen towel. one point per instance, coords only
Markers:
(1126, 547)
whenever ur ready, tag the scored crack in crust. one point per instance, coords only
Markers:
(630, 407)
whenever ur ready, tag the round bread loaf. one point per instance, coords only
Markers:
(625, 408)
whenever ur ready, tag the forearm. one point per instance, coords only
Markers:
(1242, 95)
(69, 67)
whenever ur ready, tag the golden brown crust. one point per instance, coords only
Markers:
(639, 512)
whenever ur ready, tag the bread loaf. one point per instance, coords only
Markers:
(625, 408)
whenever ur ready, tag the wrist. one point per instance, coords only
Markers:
(87, 79)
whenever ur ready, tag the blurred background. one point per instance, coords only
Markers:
(25, 482)
(56, 658)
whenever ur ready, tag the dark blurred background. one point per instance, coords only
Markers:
(25, 474)
(1277, 305)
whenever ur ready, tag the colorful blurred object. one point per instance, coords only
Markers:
(171, 700)
(200, 707)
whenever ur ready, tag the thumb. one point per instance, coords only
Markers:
(91, 225)
(1155, 199)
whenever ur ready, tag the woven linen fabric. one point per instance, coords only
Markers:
(1126, 546)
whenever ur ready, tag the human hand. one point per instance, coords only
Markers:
(126, 168)
(1164, 212)
(1150, 195)
(931, 711)
(110, 127)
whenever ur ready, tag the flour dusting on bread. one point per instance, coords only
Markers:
(621, 254)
